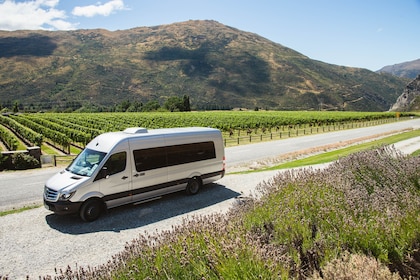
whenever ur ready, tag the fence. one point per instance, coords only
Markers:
(298, 131)
(56, 160)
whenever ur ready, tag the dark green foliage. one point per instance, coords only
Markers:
(8, 138)
(177, 104)
(151, 106)
(21, 161)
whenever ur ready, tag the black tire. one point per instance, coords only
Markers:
(193, 186)
(91, 210)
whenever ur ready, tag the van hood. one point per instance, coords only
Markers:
(65, 179)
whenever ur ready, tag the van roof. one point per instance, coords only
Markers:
(106, 141)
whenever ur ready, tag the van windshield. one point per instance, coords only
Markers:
(86, 162)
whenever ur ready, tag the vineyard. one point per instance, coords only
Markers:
(66, 130)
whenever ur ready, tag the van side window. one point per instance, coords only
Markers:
(116, 163)
(180, 154)
(149, 159)
(153, 158)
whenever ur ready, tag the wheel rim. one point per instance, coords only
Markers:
(91, 211)
(193, 186)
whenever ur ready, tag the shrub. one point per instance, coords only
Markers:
(355, 266)
(23, 161)
(366, 203)
(3, 159)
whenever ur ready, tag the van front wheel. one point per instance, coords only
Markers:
(193, 186)
(91, 210)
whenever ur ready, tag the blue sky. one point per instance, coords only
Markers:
(359, 33)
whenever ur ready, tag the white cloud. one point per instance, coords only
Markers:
(99, 9)
(37, 14)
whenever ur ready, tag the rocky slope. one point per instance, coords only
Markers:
(409, 100)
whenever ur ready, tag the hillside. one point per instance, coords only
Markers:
(408, 69)
(409, 100)
(217, 66)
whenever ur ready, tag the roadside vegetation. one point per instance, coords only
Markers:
(356, 219)
(18, 210)
(335, 154)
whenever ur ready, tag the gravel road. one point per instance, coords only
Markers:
(35, 242)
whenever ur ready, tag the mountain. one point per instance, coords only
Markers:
(408, 69)
(216, 66)
(409, 100)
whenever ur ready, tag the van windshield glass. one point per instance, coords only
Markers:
(86, 162)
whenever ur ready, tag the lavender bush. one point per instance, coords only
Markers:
(365, 203)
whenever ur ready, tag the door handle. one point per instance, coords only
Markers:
(124, 177)
(139, 174)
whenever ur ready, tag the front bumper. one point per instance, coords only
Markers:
(63, 207)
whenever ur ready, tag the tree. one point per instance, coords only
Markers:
(16, 107)
(173, 104)
(187, 105)
(123, 106)
(177, 104)
(135, 107)
(150, 106)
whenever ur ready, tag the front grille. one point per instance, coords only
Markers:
(50, 195)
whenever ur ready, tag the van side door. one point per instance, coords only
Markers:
(149, 168)
(115, 179)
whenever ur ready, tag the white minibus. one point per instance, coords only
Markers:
(136, 165)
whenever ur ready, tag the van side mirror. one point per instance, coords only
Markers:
(103, 173)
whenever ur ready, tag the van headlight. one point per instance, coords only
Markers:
(66, 195)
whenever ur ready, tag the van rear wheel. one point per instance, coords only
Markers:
(91, 210)
(193, 186)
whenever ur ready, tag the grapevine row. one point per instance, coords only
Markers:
(8, 138)
(73, 125)
(66, 128)
(74, 135)
(23, 131)
(221, 120)
(55, 136)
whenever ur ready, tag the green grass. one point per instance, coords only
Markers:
(19, 210)
(46, 149)
(336, 154)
